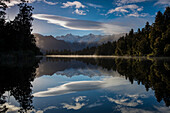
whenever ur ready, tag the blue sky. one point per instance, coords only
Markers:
(81, 17)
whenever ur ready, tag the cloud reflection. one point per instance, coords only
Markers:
(75, 107)
(125, 101)
(77, 86)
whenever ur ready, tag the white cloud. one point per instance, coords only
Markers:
(140, 9)
(80, 98)
(77, 4)
(124, 102)
(50, 107)
(11, 108)
(79, 12)
(163, 2)
(76, 24)
(131, 102)
(122, 2)
(15, 2)
(137, 14)
(136, 110)
(94, 5)
(70, 88)
(77, 86)
(77, 106)
(118, 9)
(130, 10)
(124, 9)
(50, 3)
(94, 105)
(14, 109)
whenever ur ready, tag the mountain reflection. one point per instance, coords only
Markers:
(152, 73)
(16, 77)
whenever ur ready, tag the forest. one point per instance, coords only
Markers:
(152, 40)
(15, 35)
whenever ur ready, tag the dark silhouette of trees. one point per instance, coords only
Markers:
(152, 40)
(16, 77)
(15, 36)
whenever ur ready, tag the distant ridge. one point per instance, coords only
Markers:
(90, 38)
(72, 42)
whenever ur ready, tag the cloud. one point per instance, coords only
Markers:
(138, 15)
(70, 88)
(94, 5)
(77, 86)
(94, 105)
(124, 9)
(69, 23)
(163, 2)
(79, 12)
(50, 3)
(122, 2)
(131, 10)
(125, 101)
(136, 110)
(14, 109)
(11, 108)
(50, 107)
(15, 2)
(140, 9)
(77, 4)
(76, 24)
(77, 106)
(80, 98)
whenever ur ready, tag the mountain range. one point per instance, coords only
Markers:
(72, 42)
(90, 38)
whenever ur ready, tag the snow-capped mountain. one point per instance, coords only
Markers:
(91, 38)
(51, 43)
(72, 42)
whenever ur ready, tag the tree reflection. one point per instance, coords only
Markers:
(152, 73)
(16, 77)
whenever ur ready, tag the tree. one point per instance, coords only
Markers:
(167, 50)
(3, 7)
(16, 35)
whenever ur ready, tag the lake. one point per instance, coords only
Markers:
(85, 85)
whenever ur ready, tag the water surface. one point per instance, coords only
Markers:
(81, 85)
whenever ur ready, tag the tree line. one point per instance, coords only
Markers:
(152, 40)
(15, 35)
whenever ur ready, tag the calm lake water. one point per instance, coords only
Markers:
(85, 85)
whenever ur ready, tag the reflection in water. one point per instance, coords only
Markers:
(16, 78)
(81, 86)
(152, 73)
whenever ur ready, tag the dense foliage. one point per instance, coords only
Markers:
(152, 40)
(15, 36)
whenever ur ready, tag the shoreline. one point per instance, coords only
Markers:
(103, 56)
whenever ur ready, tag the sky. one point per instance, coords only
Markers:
(82, 17)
